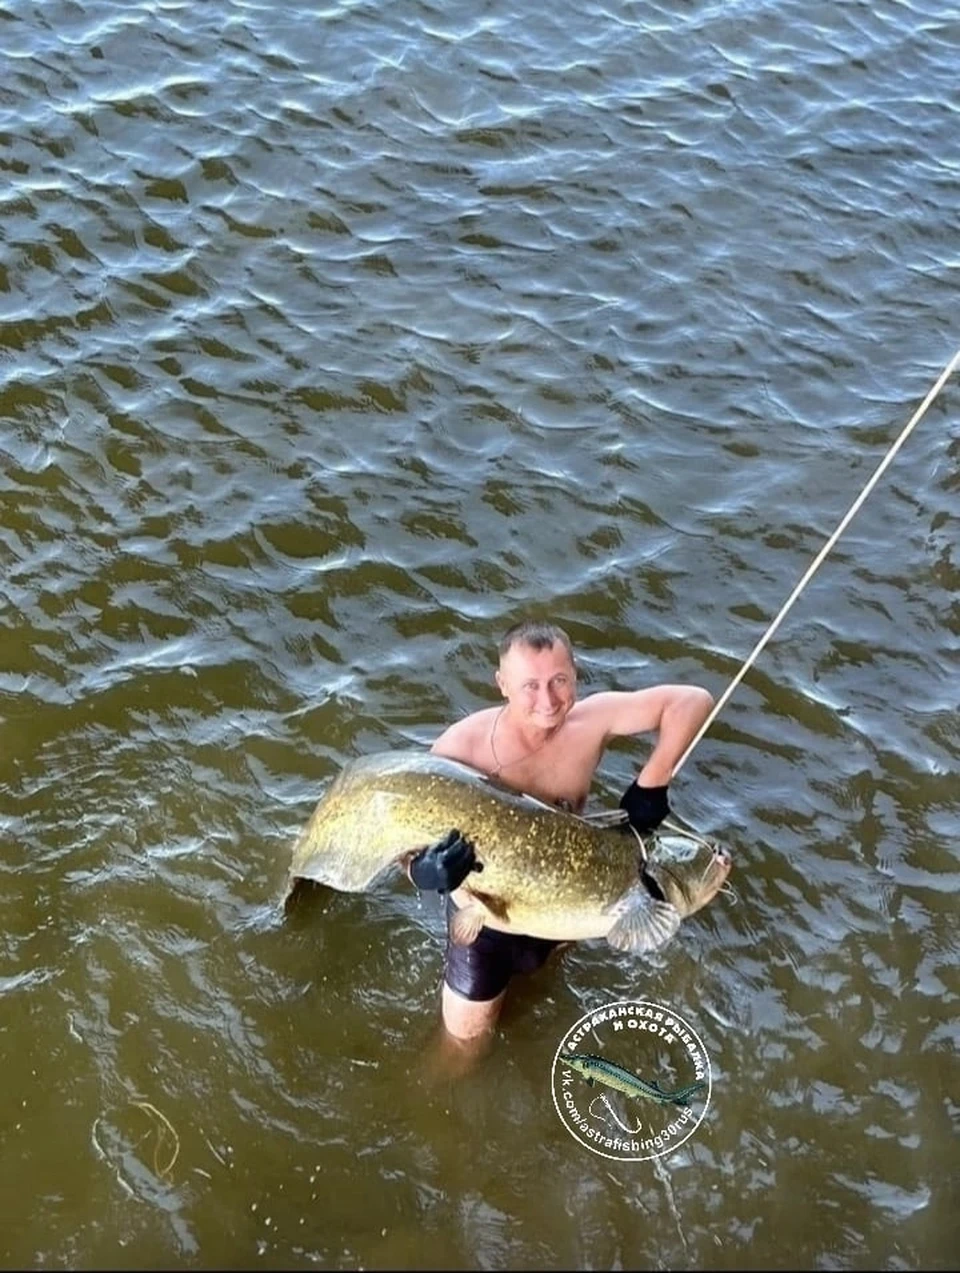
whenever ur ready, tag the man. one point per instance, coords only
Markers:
(544, 742)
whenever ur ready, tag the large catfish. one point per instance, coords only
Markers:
(546, 872)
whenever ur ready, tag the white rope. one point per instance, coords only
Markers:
(814, 565)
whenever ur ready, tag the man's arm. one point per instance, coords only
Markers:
(460, 741)
(675, 712)
(445, 865)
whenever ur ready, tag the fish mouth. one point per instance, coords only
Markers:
(695, 892)
(719, 866)
(722, 866)
(715, 876)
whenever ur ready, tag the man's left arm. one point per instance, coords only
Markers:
(675, 713)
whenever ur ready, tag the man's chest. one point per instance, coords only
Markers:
(560, 774)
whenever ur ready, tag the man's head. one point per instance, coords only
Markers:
(537, 675)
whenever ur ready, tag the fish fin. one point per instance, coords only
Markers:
(495, 905)
(642, 923)
(466, 924)
(664, 1091)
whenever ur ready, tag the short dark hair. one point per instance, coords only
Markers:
(539, 636)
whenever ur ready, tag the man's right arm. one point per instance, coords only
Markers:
(453, 855)
(443, 866)
(460, 740)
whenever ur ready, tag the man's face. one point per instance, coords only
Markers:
(540, 685)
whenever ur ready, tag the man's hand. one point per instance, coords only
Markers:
(443, 866)
(646, 806)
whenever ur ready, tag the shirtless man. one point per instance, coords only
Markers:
(544, 742)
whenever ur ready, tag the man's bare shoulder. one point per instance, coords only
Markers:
(465, 739)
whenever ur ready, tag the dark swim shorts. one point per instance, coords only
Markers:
(481, 970)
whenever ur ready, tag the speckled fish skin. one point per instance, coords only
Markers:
(546, 872)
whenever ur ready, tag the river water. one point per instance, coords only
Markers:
(333, 340)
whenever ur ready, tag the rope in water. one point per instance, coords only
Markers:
(815, 564)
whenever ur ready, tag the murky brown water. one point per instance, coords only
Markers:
(332, 341)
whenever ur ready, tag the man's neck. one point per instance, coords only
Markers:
(523, 733)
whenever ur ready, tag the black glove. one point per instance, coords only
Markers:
(443, 866)
(646, 806)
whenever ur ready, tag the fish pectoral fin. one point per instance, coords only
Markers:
(466, 924)
(494, 904)
(642, 922)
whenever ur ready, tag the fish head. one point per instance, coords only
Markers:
(686, 871)
(580, 1064)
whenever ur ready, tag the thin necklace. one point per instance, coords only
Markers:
(500, 767)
